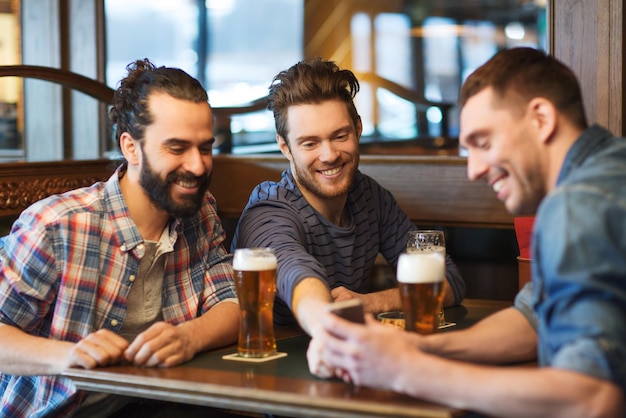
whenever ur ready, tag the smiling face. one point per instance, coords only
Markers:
(504, 149)
(176, 154)
(323, 149)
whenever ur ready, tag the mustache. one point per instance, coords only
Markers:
(204, 179)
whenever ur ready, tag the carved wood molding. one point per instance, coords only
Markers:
(22, 184)
(431, 190)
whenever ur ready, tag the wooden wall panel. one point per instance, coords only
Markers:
(587, 36)
(432, 190)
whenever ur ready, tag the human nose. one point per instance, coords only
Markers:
(476, 167)
(196, 162)
(328, 152)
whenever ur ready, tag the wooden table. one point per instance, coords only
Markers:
(279, 387)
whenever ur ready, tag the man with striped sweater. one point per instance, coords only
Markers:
(326, 220)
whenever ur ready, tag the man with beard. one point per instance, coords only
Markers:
(326, 220)
(129, 270)
(523, 123)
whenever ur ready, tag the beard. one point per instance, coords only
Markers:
(159, 191)
(308, 182)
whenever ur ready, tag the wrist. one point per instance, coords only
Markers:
(191, 345)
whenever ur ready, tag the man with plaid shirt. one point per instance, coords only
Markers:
(128, 270)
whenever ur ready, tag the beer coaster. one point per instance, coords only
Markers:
(447, 325)
(237, 357)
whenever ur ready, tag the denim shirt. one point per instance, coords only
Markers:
(577, 299)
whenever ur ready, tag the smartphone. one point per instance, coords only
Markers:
(351, 309)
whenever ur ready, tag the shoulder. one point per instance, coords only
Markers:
(279, 196)
(600, 183)
(365, 189)
(208, 213)
(284, 190)
(363, 182)
(589, 218)
(54, 207)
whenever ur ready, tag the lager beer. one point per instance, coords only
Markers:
(421, 284)
(255, 282)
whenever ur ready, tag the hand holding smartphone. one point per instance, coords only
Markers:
(351, 309)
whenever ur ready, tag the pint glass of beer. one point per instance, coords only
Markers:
(421, 274)
(255, 281)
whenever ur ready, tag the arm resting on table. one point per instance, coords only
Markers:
(503, 337)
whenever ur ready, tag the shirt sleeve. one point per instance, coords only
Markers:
(524, 304)
(27, 274)
(220, 284)
(276, 225)
(579, 257)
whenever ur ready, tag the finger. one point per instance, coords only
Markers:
(147, 342)
(164, 350)
(79, 358)
(343, 375)
(333, 353)
(316, 366)
(369, 319)
(339, 327)
(93, 349)
(164, 357)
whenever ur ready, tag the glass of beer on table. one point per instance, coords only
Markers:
(255, 282)
(421, 275)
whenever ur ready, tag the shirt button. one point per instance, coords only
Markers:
(114, 322)
(132, 278)
(140, 247)
(123, 247)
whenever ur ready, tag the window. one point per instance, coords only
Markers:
(426, 59)
(234, 47)
(411, 58)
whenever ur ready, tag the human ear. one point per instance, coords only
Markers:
(129, 148)
(284, 148)
(544, 117)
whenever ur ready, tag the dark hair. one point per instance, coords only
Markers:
(518, 75)
(130, 111)
(311, 82)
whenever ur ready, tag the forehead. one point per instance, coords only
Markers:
(317, 119)
(479, 113)
(176, 118)
(162, 105)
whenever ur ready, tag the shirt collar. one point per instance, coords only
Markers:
(126, 231)
(588, 143)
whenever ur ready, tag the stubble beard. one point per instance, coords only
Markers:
(307, 181)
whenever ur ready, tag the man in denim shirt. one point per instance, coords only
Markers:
(523, 123)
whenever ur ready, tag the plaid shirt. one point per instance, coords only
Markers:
(66, 270)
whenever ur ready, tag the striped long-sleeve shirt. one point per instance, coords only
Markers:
(308, 245)
(66, 270)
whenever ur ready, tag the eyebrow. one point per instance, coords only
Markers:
(178, 141)
(343, 129)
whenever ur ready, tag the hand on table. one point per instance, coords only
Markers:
(369, 355)
(100, 348)
(316, 366)
(161, 345)
(341, 293)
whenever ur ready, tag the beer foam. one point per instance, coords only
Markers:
(253, 262)
(421, 267)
